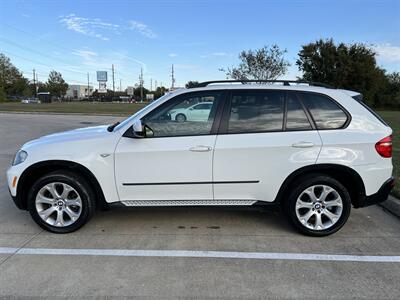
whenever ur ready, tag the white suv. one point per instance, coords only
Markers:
(313, 151)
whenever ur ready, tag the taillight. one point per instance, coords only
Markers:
(384, 147)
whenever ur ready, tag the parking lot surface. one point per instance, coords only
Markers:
(162, 269)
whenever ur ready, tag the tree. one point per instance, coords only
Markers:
(267, 63)
(12, 82)
(2, 94)
(56, 85)
(160, 91)
(191, 84)
(350, 67)
(391, 97)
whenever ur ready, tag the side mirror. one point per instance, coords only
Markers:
(137, 129)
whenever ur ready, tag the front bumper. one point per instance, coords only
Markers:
(12, 172)
(17, 201)
(379, 196)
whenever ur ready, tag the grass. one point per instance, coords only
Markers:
(87, 108)
(126, 109)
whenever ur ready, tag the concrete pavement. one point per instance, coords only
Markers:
(369, 231)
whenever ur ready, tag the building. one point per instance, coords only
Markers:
(78, 92)
(44, 97)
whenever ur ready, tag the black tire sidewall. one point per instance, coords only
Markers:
(79, 184)
(315, 179)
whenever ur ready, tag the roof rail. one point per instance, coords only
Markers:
(285, 82)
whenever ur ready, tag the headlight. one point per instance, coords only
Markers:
(20, 157)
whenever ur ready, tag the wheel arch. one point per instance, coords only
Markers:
(345, 175)
(33, 172)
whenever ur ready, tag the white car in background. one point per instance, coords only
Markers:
(196, 112)
(314, 151)
(30, 101)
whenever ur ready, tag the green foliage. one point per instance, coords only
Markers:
(56, 85)
(350, 67)
(2, 94)
(160, 91)
(267, 63)
(191, 84)
(11, 80)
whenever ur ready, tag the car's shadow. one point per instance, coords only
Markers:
(199, 219)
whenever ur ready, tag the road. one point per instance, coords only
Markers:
(171, 273)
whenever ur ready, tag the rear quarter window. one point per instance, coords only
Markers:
(359, 99)
(327, 114)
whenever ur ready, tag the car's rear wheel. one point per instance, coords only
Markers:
(318, 205)
(180, 118)
(61, 202)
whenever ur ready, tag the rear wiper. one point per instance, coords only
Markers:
(111, 127)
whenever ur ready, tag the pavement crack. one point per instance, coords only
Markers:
(20, 247)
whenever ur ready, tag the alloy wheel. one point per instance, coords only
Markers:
(319, 207)
(58, 204)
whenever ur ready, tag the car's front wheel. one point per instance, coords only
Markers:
(61, 201)
(318, 205)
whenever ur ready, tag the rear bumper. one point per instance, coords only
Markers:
(381, 195)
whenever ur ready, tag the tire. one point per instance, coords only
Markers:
(61, 201)
(180, 118)
(317, 215)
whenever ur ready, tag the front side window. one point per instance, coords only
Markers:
(256, 111)
(184, 115)
(325, 112)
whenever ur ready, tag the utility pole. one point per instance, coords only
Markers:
(113, 79)
(151, 84)
(88, 91)
(172, 78)
(34, 82)
(120, 85)
(141, 84)
(155, 85)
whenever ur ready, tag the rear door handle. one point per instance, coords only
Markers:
(303, 145)
(200, 148)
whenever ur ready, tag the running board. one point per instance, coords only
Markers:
(188, 202)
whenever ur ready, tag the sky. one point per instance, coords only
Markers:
(198, 37)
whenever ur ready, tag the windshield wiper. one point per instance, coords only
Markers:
(111, 127)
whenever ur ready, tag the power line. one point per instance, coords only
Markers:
(46, 55)
(42, 64)
(141, 84)
(113, 80)
(34, 82)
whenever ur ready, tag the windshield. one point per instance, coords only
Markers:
(129, 119)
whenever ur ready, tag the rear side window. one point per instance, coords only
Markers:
(325, 112)
(296, 118)
(256, 111)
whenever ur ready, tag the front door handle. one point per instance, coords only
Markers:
(200, 148)
(303, 145)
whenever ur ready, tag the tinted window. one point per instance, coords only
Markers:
(178, 117)
(296, 118)
(325, 112)
(256, 111)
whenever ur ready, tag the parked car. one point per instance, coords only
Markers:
(30, 100)
(316, 152)
(196, 112)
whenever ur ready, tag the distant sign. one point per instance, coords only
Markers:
(101, 75)
(102, 87)
(150, 97)
(130, 90)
